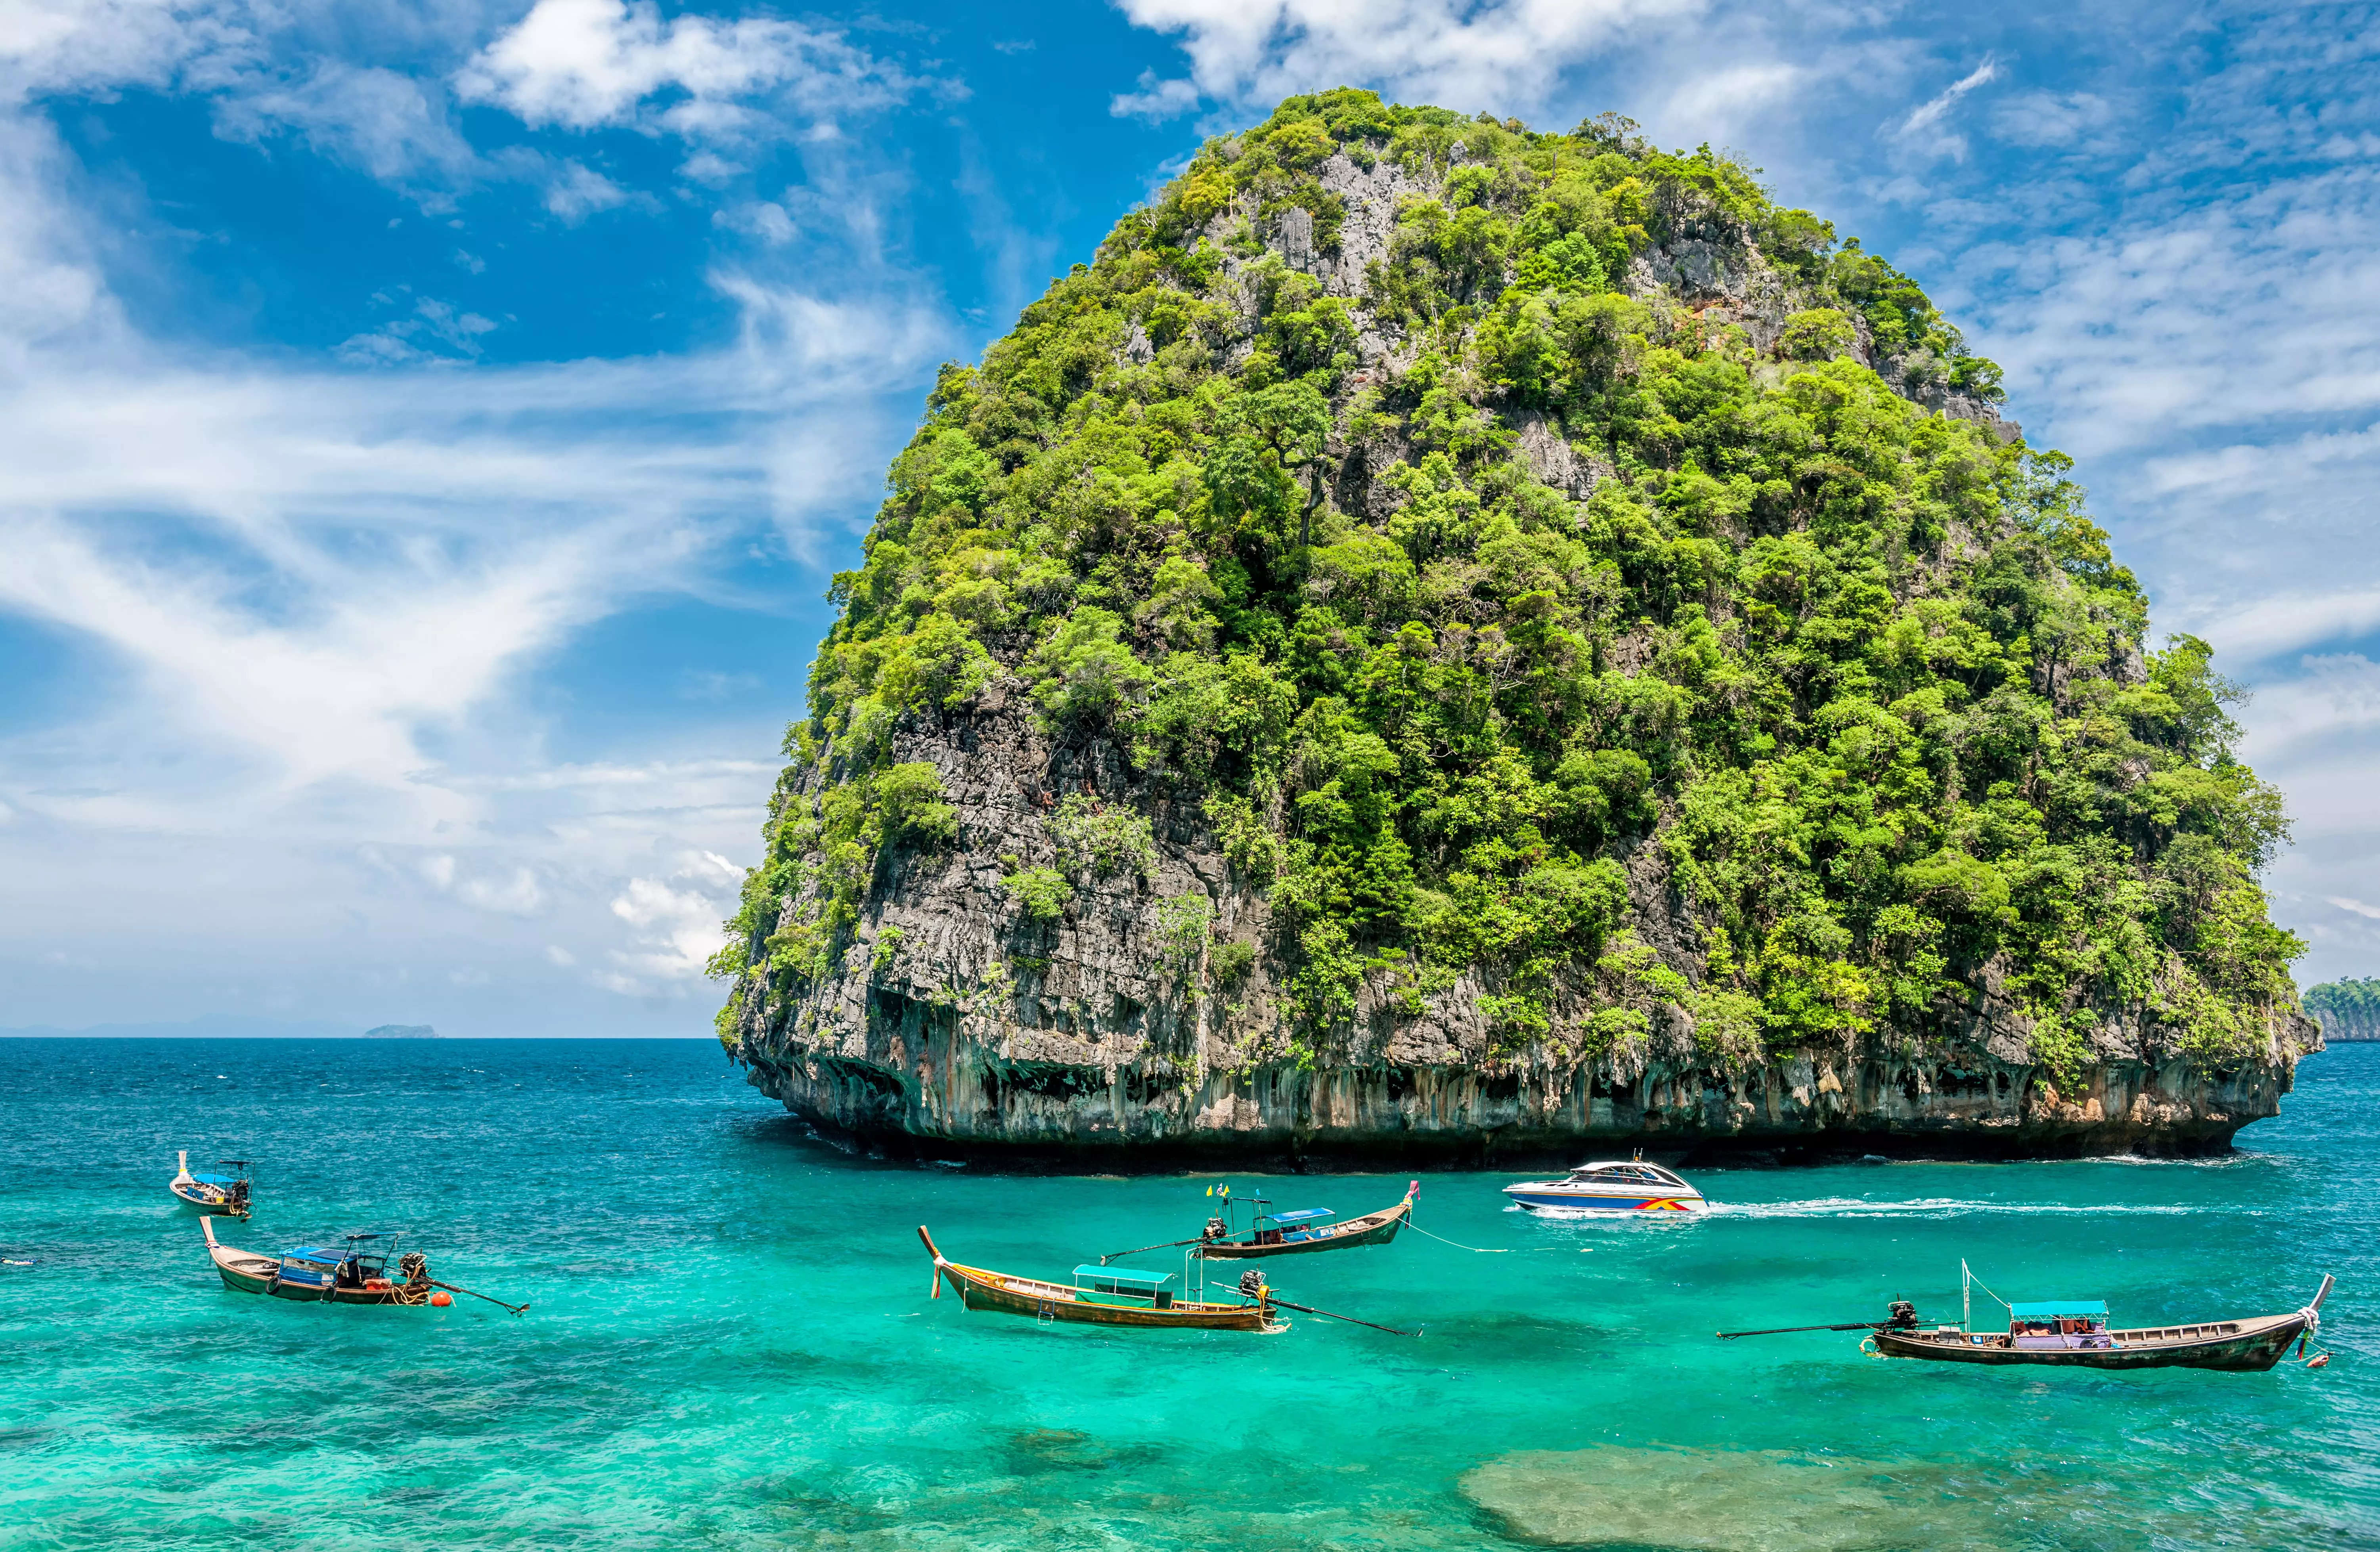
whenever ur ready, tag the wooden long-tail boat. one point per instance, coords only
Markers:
(357, 1274)
(2075, 1333)
(1300, 1231)
(1099, 1296)
(224, 1195)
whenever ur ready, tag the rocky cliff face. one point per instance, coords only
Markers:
(955, 1027)
(1115, 1029)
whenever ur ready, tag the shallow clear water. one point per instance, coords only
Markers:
(731, 1342)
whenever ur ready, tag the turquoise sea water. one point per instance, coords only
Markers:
(731, 1345)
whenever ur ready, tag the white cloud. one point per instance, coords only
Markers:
(675, 922)
(2357, 906)
(376, 120)
(2271, 625)
(2328, 697)
(65, 46)
(1924, 130)
(1731, 95)
(766, 220)
(309, 602)
(579, 191)
(435, 333)
(512, 892)
(1156, 100)
(1503, 56)
(2053, 119)
(581, 64)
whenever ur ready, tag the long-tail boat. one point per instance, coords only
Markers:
(1298, 1232)
(1302, 1231)
(1099, 1296)
(224, 1194)
(2075, 1333)
(357, 1273)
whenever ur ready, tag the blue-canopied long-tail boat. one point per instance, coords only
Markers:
(1297, 1231)
(356, 1272)
(227, 1194)
(2076, 1333)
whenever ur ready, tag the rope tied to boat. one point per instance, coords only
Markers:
(1446, 1241)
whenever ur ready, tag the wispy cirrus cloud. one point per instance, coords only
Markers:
(1927, 129)
(314, 594)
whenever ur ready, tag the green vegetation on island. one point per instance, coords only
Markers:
(1863, 681)
(2349, 1009)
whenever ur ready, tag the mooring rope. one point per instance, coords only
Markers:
(1444, 1241)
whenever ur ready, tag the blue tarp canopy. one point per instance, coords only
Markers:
(314, 1253)
(1301, 1215)
(1123, 1275)
(2061, 1309)
(216, 1180)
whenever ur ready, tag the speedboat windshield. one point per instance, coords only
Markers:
(1640, 1174)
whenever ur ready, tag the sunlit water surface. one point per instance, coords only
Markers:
(731, 1345)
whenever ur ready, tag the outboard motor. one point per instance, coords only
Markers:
(1216, 1229)
(1251, 1282)
(1904, 1315)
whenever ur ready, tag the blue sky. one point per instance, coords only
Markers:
(426, 429)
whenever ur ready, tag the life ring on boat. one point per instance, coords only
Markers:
(1868, 1345)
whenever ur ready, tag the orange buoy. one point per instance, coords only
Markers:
(441, 1299)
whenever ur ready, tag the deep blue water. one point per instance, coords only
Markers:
(731, 1342)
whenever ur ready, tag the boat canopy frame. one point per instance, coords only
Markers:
(368, 1263)
(2058, 1309)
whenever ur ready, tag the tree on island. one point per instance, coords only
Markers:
(2349, 1010)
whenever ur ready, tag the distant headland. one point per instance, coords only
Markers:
(2347, 1010)
(225, 1026)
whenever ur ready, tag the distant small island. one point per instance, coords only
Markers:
(401, 1032)
(2348, 1010)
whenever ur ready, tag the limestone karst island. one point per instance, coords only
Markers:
(1446, 641)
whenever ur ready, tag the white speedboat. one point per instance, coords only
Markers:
(1614, 1185)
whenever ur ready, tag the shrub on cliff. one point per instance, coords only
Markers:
(1863, 680)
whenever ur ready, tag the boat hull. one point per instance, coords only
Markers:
(1372, 1229)
(1554, 1200)
(2247, 1346)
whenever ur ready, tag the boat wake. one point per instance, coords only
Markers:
(1929, 1207)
